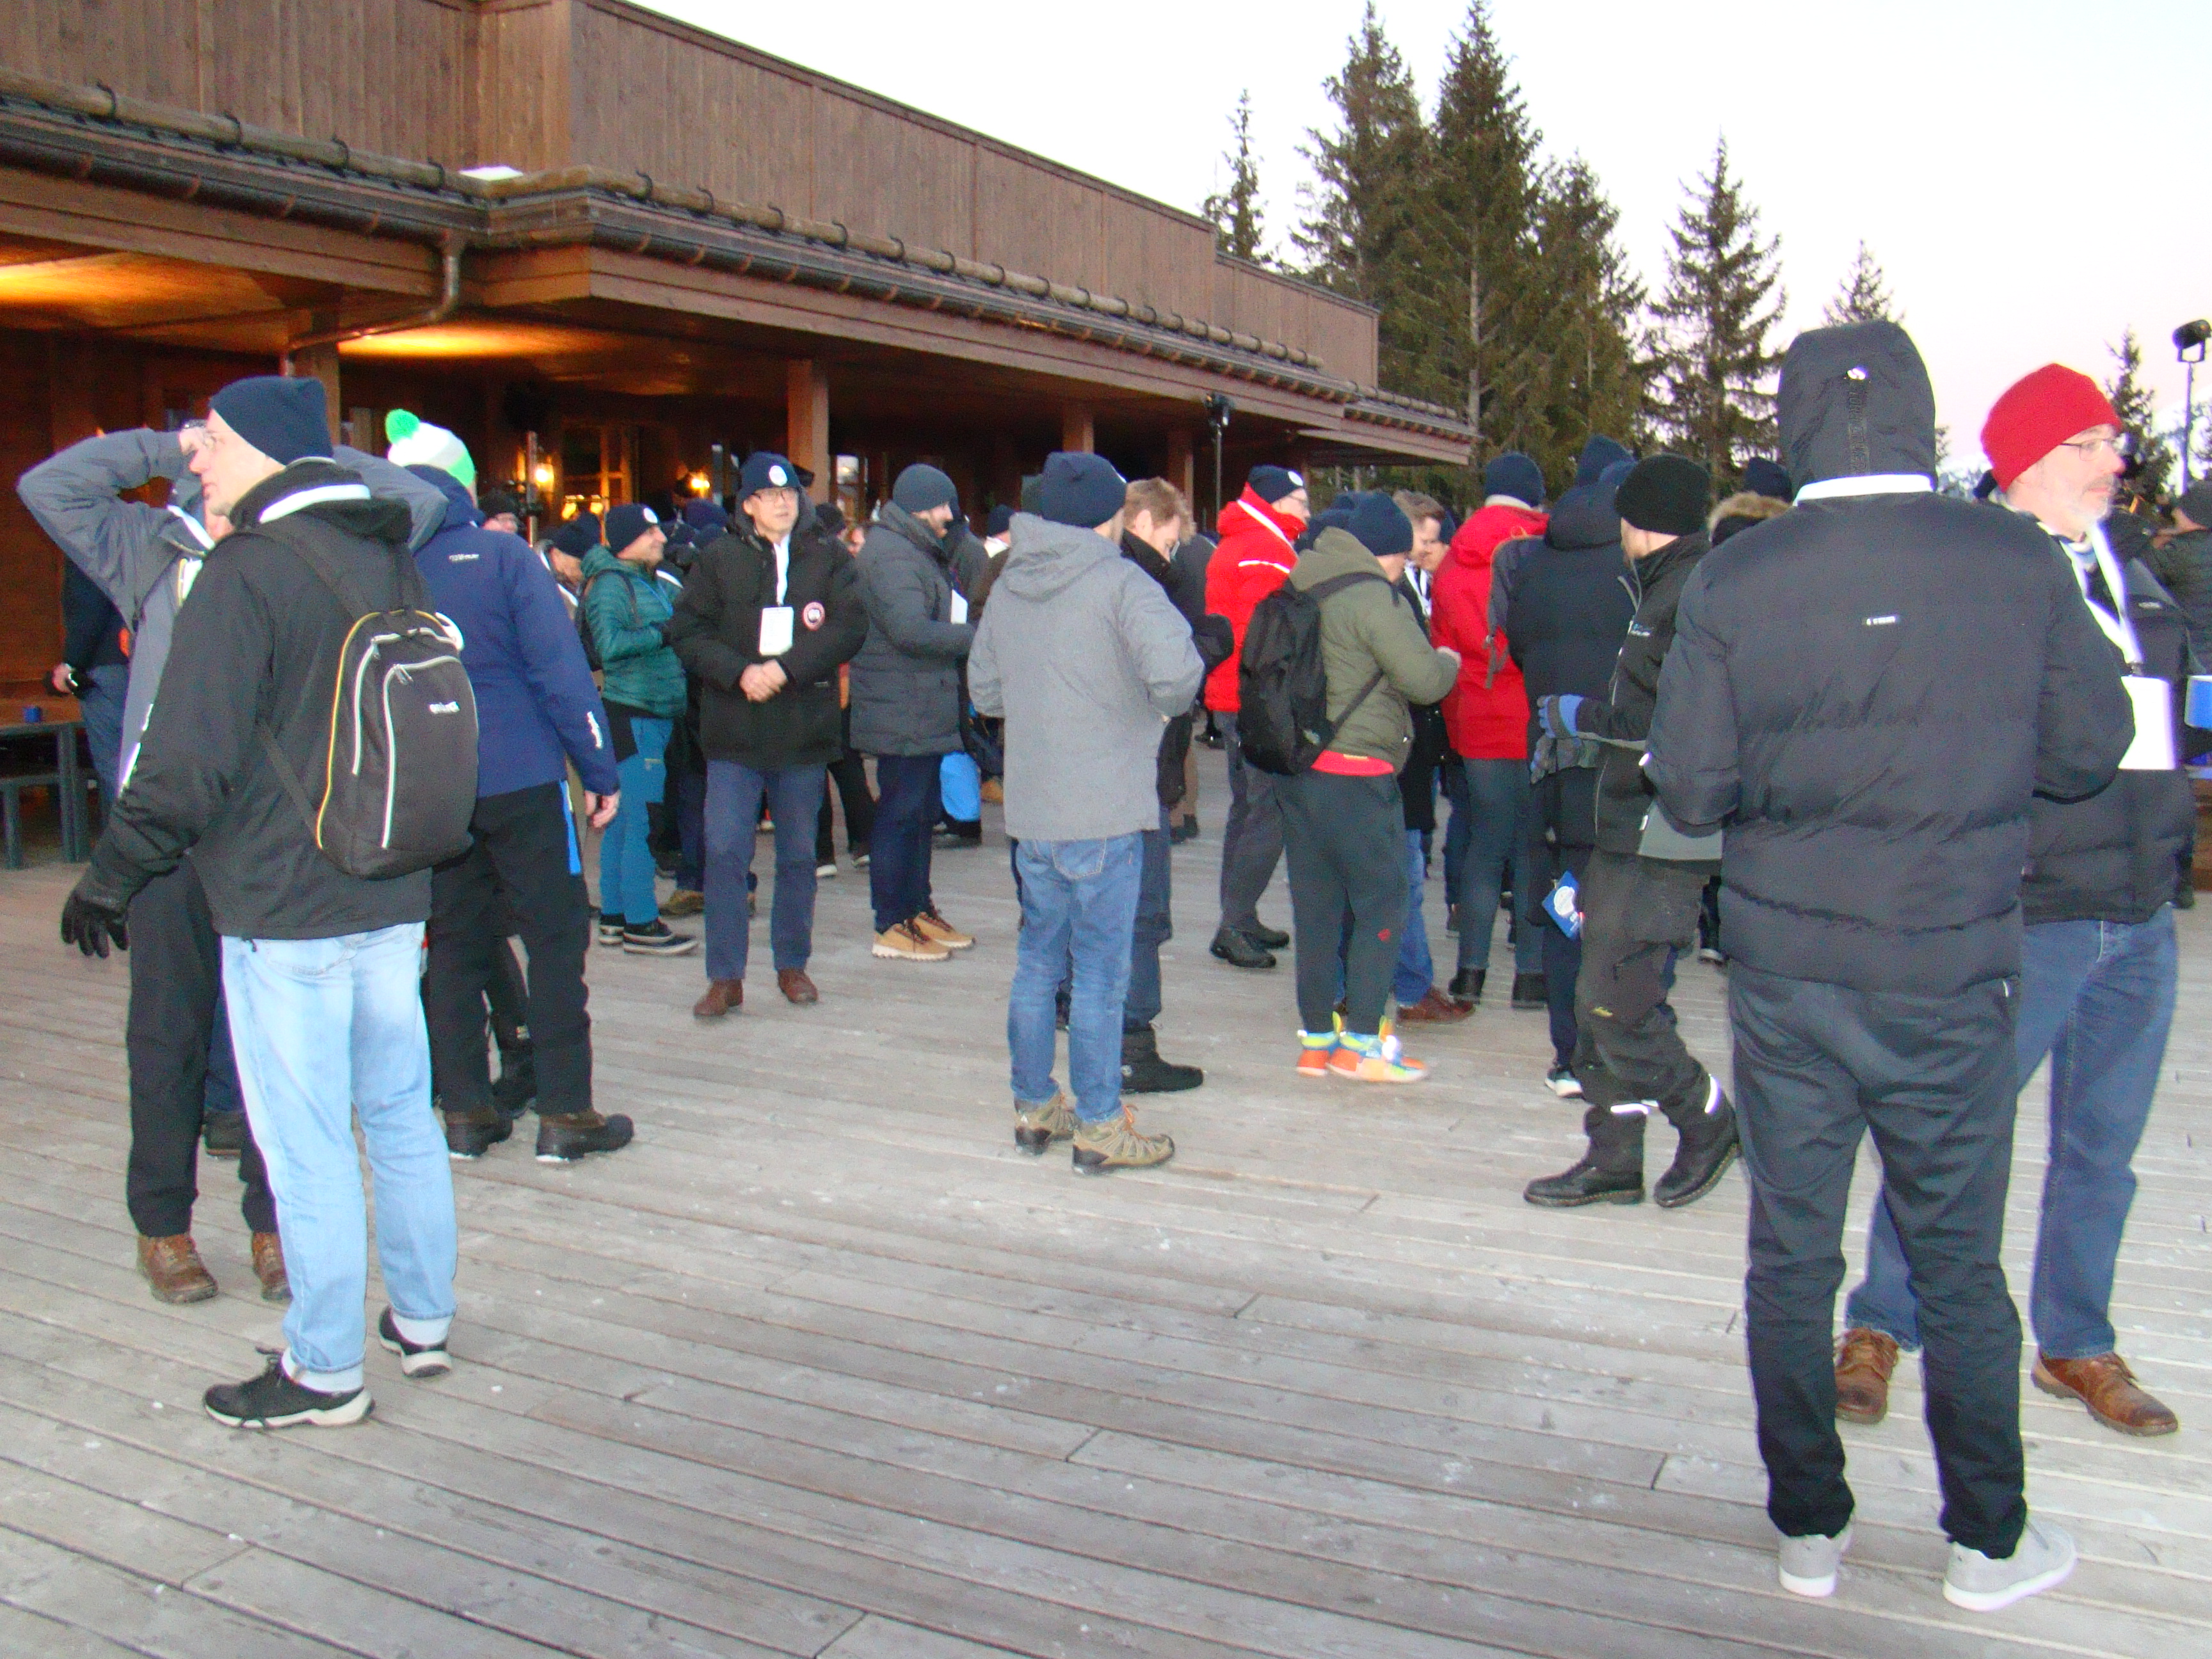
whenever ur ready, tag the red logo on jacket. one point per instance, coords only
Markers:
(814, 616)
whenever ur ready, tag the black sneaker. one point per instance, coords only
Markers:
(415, 1359)
(274, 1401)
(1238, 950)
(566, 1138)
(1143, 1073)
(470, 1135)
(222, 1135)
(610, 930)
(657, 938)
(1562, 1081)
(1266, 937)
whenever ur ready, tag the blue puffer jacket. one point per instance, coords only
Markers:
(537, 709)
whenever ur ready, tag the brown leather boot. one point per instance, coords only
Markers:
(269, 1267)
(723, 996)
(1864, 1359)
(2108, 1387)
(173, 1267)
(796, 987)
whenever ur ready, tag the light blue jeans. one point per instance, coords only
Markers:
(326, 1029)
(1079, 915)
(626, 868)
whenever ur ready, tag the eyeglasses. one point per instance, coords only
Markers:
(2122, 446)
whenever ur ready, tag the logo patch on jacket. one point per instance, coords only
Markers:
(1881, 622)
(813, 616)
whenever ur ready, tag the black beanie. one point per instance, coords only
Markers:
(1666, 495)
(579, 535)
(627, 522)
(1381, 526)
(1762, 477)
(286, 418)
(1080, 489)
(921, 487)
(1598, 454)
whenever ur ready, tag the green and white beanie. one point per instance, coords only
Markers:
(415, 442)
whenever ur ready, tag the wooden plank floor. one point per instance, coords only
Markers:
(823, 1366)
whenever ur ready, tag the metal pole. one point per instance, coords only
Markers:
(2188, 416)
(530, 485)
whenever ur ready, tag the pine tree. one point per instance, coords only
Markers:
(1360, 235)
(1594, 376)
(1484, 272)
(1239, 226)
(2132, 402)
(1724, 298)
(1863, 297)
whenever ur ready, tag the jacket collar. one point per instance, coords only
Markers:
(911, 529)
(302, 485)
(1248, 508)
(1681, 550)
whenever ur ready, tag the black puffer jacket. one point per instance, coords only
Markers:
(1211, 634)
(1621, 720)
(1572, 601)
(717, 633)
(1868, 691)
(2116, 856)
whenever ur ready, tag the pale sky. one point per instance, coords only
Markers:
(2029, 178)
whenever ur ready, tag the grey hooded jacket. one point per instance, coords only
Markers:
(1087, 659)
(147, 558)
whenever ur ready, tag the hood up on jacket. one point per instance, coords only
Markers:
(1044, 558)
(1249, 512)
(1855, 402)
(1584, 517)
(461, 512)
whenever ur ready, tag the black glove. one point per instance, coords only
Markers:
(89, 925)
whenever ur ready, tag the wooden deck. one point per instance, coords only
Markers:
(823, 1366)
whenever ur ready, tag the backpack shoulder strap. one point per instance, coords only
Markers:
(1321, 590)
(288, 777)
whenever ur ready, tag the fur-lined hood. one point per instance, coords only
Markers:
(1746, 509)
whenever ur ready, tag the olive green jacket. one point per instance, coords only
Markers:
(1364, 627)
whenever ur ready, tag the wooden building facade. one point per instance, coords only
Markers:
(580, 233)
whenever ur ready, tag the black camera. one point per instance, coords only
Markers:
(2191, 337)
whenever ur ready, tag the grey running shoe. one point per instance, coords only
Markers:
(2044, 1556)
(1808, 1563)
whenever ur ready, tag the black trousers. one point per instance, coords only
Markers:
(1636, 913)
(1817, 1067)
(1344, 839)
(521, 868)
(849, 773)
(176, 997)
(1562, 818)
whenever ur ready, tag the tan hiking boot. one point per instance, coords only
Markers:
(931, 925)
(269, 1267)
(1115, 1143)
(904, 942)
(683, 902)
(1037, 1128)
(173, 1267)
(1864, 1360)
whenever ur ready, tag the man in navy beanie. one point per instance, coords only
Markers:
(1085, 657)
(321, 969)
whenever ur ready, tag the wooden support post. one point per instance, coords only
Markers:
(806, 398)
(1077, 430)
(321, 363)
(1183, 465)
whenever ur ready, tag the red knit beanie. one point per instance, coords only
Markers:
(2038, 412)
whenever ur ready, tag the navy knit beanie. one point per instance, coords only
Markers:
(1514, 474)
(1764, 478)
(1080, 489)
(1666, 495)
(766, 469)
(286, 418)
(1599, 453)
(579, 535)
(627, 522)
(1001, 521)
(1271, 483)
(921, 488)
(1381, 526)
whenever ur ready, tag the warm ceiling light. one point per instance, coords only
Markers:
(544, 476)
(699, 485)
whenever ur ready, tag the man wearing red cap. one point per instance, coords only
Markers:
(2097, 981)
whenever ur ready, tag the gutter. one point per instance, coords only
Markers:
(449, 301)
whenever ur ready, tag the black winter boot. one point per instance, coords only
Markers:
(1610, 1172)
(1466, 988)
(1143, 1071)
(1708, 1146)
(518, 1080)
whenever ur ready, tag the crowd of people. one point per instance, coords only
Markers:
(1911, 767)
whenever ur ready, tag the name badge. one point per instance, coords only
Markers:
(2153, 749)
(775, 630)
(958, 612)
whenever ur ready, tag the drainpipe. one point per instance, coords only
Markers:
(449, 301)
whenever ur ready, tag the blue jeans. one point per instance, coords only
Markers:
(691, 831)
(908, 799)
(1496, 852)
(626, 867)
(733, 800)
(2097, 997)
(1415, 975)
(100, 697)
(327, 1030)
(1079, 911)
(1155, 927)
(1461, 830)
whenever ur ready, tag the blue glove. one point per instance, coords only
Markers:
(1560, 715)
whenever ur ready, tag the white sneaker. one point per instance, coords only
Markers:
(2044, 1556)
(1808, 1563)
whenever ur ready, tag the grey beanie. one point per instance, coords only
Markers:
(921, 488)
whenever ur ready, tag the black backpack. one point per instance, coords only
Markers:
(1282, 688)
(400, 782)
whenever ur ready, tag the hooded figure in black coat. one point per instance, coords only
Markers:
(1867, 692)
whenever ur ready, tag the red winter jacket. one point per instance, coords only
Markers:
(1486, 715)
(1253, 560)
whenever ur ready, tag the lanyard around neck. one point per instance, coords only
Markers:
(2118, 628)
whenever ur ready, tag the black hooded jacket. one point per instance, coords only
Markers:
(1572, 601)
(1868, 691)
(1211, 634)
(1621, 720)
